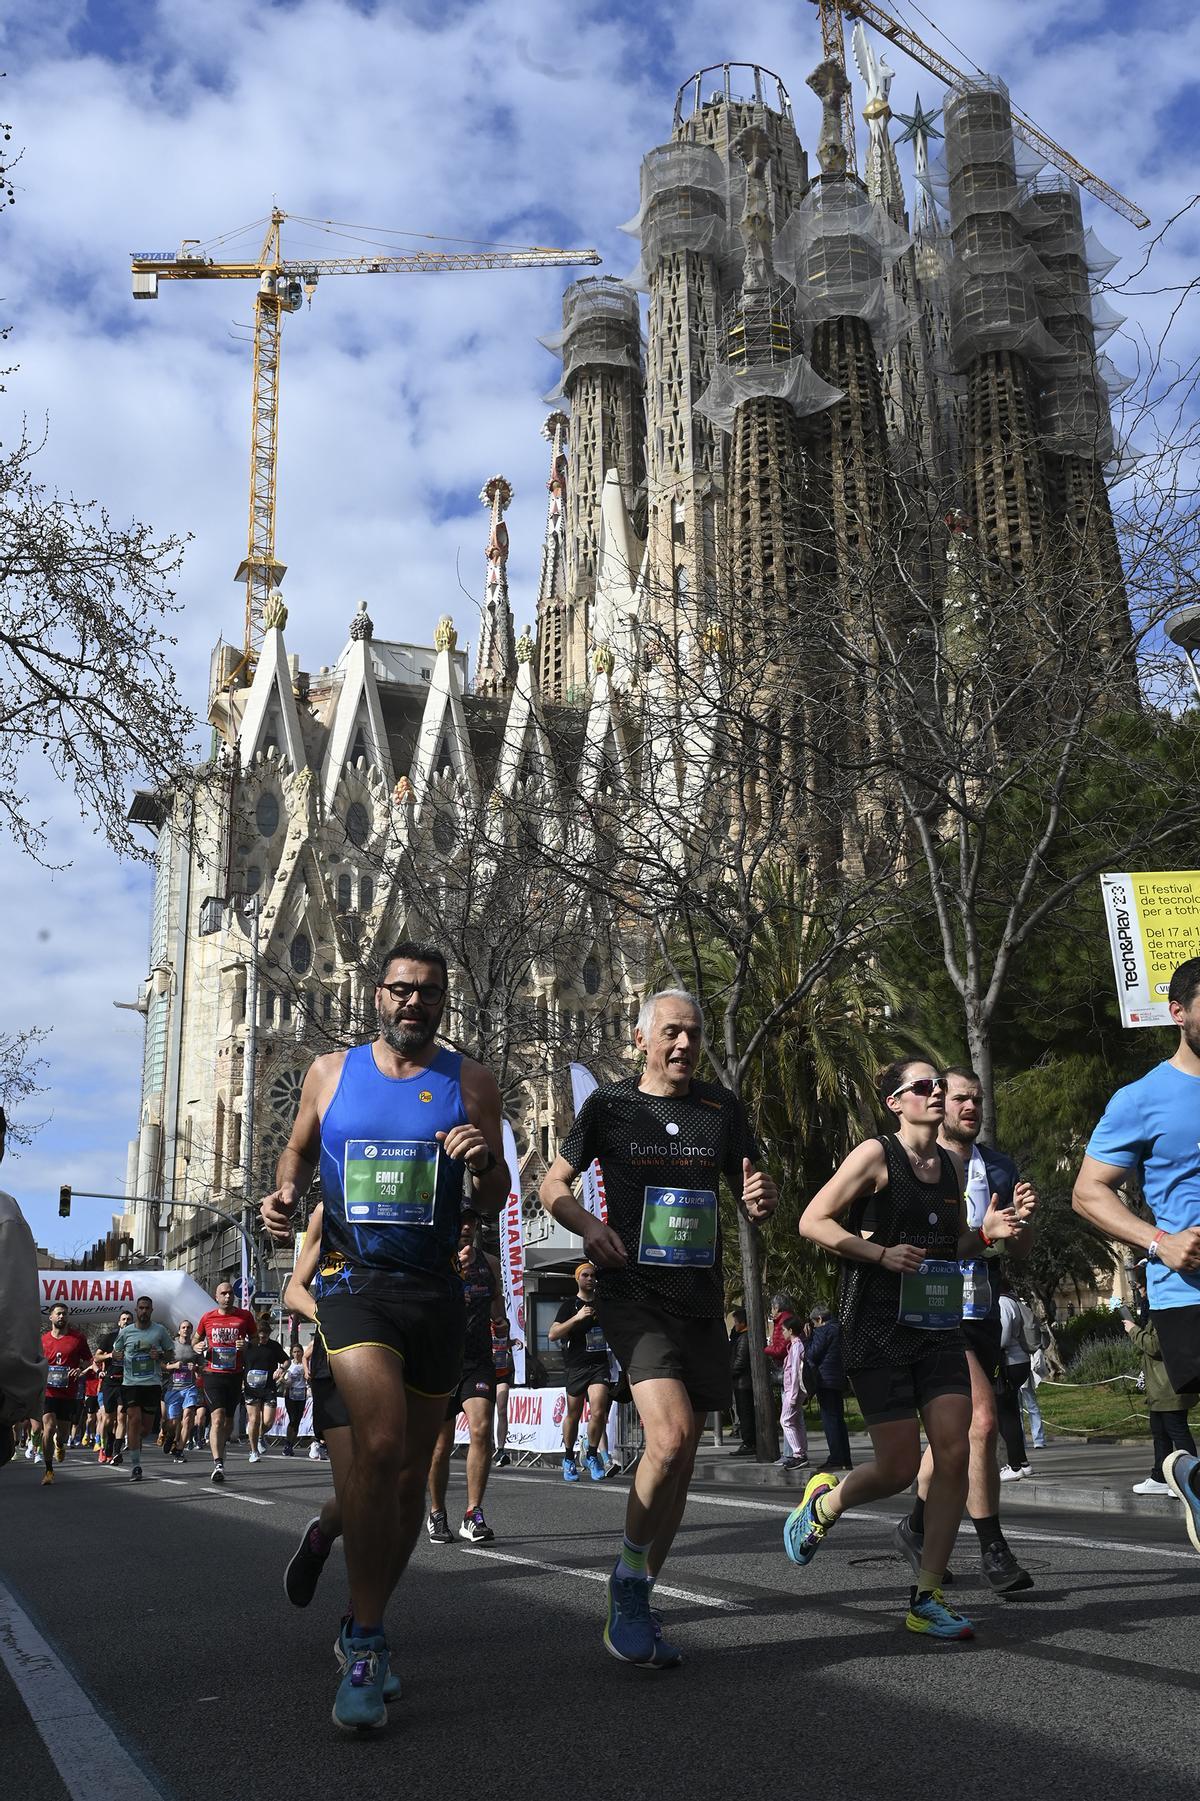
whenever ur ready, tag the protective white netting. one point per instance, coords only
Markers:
(835, 249)
(795, 381)
(601, 326)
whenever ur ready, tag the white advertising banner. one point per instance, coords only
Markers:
(512, 1256)
(100, 1294)
(535, 1417)
(1153, 920)
(583, 1083)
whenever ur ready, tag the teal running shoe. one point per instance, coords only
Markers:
(359, 1705)
(570, 1470)
(595, 1466)
(803, 1532)
(1178, 1470)
(391, 1682)
(929, 1614)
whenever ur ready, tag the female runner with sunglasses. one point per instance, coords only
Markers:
(904, 1375)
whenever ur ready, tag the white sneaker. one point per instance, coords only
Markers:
(1150, 1487)
(29, 1453)
(253, 1457)
(1008, 1474)
(1027, 1469)
(314, 1452)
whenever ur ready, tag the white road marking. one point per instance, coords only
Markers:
(250, 1500)
(562, 1569)
(861, 1518)
(87, 1754)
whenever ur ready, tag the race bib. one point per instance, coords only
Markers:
(181, 1378)
(932, 1297)
(679, 1227)
(390, 1181)
(297, 1387)
(977, 1290)
(139, 1367)
(257, 1379)
(501, 1354)
(58, 1375)
(224, 1358)
(595, 1344)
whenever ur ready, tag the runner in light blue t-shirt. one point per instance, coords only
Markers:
(1152, 1128)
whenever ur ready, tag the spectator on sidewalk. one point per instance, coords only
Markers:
(781, 1306)
(827, 1380)
(743, 1386)
(794, 1395)
(1169, 1427)
(1015, 1366)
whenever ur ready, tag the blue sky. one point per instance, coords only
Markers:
(143, 123)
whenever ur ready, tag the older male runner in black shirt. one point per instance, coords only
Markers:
(663, 1142)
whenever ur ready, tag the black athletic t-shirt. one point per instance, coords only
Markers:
(651, 1149)
(113, 1370)
(907, 1211)
(479, 1291)
(260, 1361)
(585, 1346)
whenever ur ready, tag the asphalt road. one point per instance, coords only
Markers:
(161, 1608)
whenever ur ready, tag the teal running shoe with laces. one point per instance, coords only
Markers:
(595, 1466)
(803, 1532)
(929, 1614)
(570, 1470)
(391, 1682)
(359, 1705)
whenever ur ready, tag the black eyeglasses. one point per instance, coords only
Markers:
(428, 993)
(924, 1086)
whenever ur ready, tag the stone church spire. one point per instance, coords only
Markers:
(496, 666)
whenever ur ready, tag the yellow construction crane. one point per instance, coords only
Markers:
(834, 11)
(283, 285)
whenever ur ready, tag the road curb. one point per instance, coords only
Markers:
(1065, 1496)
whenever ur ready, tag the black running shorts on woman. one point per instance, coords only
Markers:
(896, 1369)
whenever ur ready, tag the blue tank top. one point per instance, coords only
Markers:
(393, 1199)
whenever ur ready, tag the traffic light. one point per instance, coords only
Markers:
(64, 1202)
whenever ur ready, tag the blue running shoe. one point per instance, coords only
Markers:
(930, 1614)
(666, 1656)
(570, 1470)
(359, 1704)
(629, 1633)
(803, 1532)
(1178, 1470)
(391, 1682)
(595, 1466)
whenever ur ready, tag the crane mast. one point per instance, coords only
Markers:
(283, 284)
(870, 13)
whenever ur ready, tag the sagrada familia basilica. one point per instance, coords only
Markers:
(798, 356)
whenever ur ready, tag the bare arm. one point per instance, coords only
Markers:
(604, 1248)
(482, 1134)
(296, 1295)
(863, 1172)
(562, 1330)
(302, 1153)
(1095, 1197)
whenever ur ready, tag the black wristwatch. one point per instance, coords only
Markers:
(488, 1167)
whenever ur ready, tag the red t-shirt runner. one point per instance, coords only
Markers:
(221, 1332)
(64, 1356)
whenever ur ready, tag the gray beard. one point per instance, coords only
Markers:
(405, 1036)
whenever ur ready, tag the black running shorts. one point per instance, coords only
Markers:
(222, 1390)
(477, 1383)
(328, 1408)
(982, 1339)
(146, 1395)
(582, 1376)
(110, 1396)
(1178, 1331)
(420, 1319)
(60, 1406)
(898, 1392)
(653, 1346)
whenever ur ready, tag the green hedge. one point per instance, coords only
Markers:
(1093, 1323)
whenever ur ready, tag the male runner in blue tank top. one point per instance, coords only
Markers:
(393, 1125)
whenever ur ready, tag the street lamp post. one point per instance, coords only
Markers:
(1183, 629)
(249, 1248)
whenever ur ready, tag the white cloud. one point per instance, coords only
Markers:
(478, 120)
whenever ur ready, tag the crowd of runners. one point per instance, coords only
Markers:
(410, 1330)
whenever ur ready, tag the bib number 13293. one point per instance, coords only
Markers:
(679, 1228)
